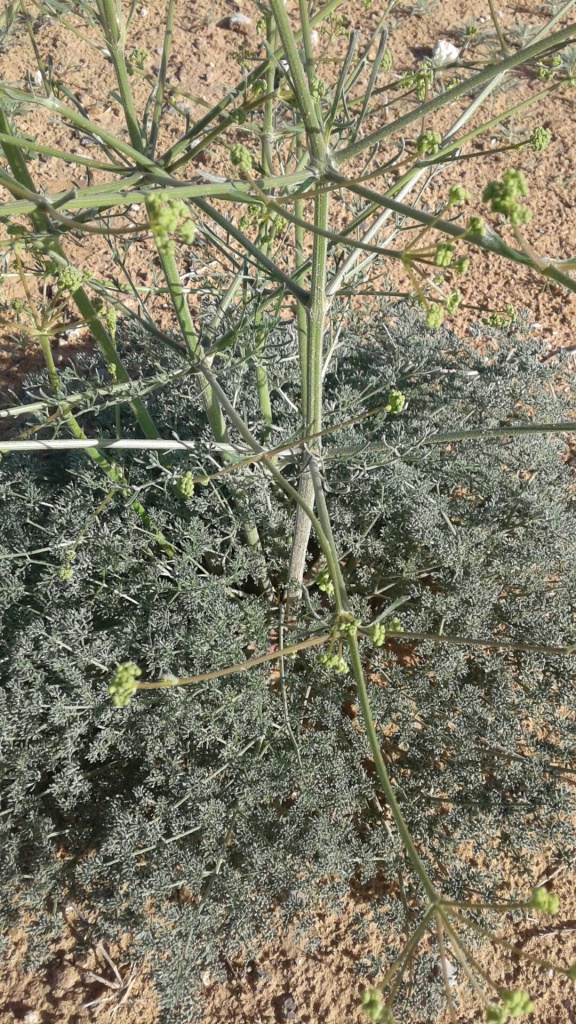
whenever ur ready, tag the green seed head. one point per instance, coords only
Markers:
(185, 485)
(457, 194)
(453, 300)
(428, 143)
(476, 225)
(516, 1001)
(396, 401)
(539, 139)
(240, 157)
(434, 315)
(542, 899)
(503, 196)
(123, 683)
(443, 254)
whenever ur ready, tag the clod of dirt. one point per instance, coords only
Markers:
(285, 1007)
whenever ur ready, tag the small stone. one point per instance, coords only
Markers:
(287, 1006)
(32, 1017)
(238, 19)
(143, 12)
(445, 52)
(37, 76)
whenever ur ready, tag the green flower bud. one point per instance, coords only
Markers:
(453, 300)
(457, 194)
(372, 1003)
(377, 633)
(123, 683)
(496, 1014)
(317, 89)
(396, 401)
(544, 73)
(187, 231)
(503, 196)
(324, 581)
(340, 666)
(395, 625)
(539, 139)
(434, 315)
(460, 266)
(476, 225)
(70, 279)
(428, 142)
(347, 624)
(542, 899)
(136, 59)
(424, 80)
(110, 318)
(240, 157)
(185, 485)
(443, 254)
(516, 1001)
(386, 63)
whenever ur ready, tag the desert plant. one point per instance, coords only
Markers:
(184, 578)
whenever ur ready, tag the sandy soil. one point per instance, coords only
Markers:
(285, 983)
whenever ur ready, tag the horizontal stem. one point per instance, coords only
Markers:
(488, 242)
(465, 641)
(243, 666)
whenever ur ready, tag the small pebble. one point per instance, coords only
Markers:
(445, 52)
(37, 77)
(239, 19)
(287, 1006)
(143, 12)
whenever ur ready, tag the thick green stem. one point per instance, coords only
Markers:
(110, 17)
(311, 397)
(312, 127)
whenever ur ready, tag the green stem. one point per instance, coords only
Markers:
(243, 666)
(159, 98)
(312, 397)
(110, 18)
(312, 127)
(88, 312)
(185, 322)
(489, 243)
(108, 467)
(382, 773)
(564, 36)
(261, 69)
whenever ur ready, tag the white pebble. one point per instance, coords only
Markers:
(143, 12)
(239, 19)
(37, 77)
(445, 52)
